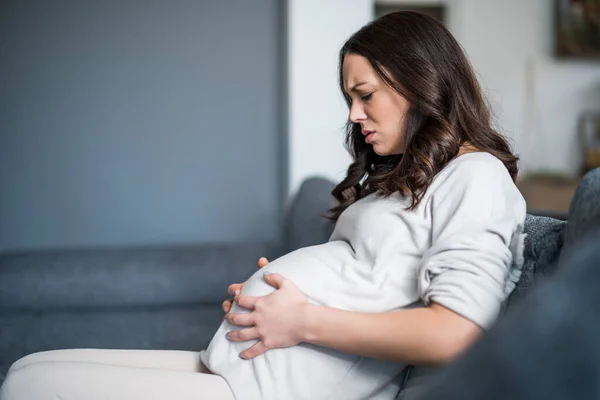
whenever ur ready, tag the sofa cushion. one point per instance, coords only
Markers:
(543, 243)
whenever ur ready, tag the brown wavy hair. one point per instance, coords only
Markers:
(420, 59)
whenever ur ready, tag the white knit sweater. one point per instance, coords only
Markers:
(456, 249)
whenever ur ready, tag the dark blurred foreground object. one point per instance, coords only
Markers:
(546, 348)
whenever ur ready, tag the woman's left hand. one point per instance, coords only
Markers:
(277, 320)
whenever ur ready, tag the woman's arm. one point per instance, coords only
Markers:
(429, 335)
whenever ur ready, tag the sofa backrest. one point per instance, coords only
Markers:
(584, 214)
(304, 223)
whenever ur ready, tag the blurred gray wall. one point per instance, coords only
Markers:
(139, 122)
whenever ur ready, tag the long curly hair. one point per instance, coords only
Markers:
(420, 59)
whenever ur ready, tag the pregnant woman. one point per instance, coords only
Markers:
(428, 227)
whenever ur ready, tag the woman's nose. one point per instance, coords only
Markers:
(357, 113)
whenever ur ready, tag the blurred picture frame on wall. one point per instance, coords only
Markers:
(577, 29)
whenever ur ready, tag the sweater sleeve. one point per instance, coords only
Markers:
(476, 212)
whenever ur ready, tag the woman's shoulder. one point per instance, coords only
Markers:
(475, 166)
(474, 171)
(476, 158)
(479, 180)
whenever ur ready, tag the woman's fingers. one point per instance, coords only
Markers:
(248, 302)
(243, 335)
(227, 305)
(232, 288)
(240, 319)
(274, 280)
(256, 350)
(262, 262)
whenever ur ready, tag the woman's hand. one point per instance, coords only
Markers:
(277, 320)
(236, 288)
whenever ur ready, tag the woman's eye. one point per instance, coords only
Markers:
(366, 97)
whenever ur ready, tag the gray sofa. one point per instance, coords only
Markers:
(140, 298)
(170, 297)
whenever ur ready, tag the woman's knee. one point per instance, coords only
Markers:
(20, 383)
(33, 358)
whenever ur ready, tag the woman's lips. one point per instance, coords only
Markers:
(369, 137)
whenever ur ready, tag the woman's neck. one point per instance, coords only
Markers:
(467, 148)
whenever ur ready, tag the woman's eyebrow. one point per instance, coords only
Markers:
(353, 88)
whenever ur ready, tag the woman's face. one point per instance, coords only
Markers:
(378, 108)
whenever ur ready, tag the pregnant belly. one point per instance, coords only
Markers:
(306, 267)
(329, 275)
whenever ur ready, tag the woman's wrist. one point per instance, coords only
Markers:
(309, 316)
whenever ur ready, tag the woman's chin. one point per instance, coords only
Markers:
(380, 150)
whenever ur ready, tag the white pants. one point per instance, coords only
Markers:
(90, 374)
